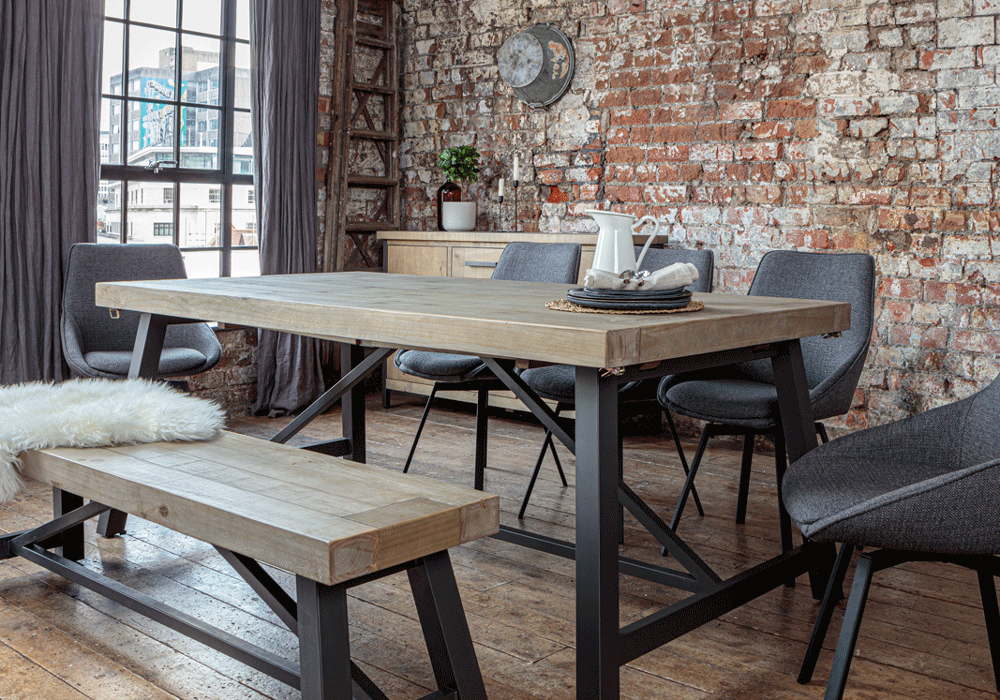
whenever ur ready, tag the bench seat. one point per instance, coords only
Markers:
(325, 518)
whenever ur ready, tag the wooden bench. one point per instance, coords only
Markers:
(331, 522)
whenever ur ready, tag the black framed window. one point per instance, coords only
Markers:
(177, 154)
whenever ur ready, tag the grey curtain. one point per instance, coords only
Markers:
(284, 42)
(50, 73)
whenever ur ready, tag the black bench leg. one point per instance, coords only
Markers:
(71, 539)
(324, 642)
(445, 628)
(111, 522)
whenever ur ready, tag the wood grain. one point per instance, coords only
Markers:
(322, 517)
(482, 317)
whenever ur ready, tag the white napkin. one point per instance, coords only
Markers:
(670, 277)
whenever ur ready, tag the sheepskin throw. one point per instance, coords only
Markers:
(96, 412)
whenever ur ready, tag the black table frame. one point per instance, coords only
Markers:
(602, 647)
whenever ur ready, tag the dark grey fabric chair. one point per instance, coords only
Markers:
(521, 261)
(921, 489)
(558, 382)
(742, 400)
(95, 343)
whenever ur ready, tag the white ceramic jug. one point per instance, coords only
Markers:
(615, 252)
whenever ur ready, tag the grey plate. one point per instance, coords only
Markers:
(621, 295)
(631, 305)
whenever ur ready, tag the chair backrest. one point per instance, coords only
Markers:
(525, 261)
(704, 260)
(833, 365)
(978, 440)
(90, 263)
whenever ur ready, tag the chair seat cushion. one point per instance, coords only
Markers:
(439, 366)
(739, 402)
(173, 361)
(553, 382)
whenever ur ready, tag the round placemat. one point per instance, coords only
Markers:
(564, 305)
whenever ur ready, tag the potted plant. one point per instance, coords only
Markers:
(459, 164)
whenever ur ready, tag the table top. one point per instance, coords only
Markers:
(323, 517)
(490, 318)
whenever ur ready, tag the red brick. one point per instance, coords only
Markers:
(669, 153)
(790, 109)
(625, 154)
(720, 131)
(674, 134)
(651, 96)
(620, 193)
(550, 177)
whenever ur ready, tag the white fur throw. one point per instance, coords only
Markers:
(95, 412)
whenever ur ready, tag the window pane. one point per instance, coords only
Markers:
(244, 216)
(111, 81)
(111, 131)
(114, 8)
(242, 144)
(150, 132)
(147, 211)
(200, 70)
(109, 212)
(201, 217)
(246, 263)
(162, 12)
(203, 16)
(242, 89)
(151, 63)
(243, 19)
(200, 137)
(202, 263)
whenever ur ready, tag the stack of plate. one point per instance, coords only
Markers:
(628, 300)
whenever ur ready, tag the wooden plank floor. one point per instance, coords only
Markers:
(923, 635)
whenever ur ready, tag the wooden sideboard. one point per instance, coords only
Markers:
(463, 254)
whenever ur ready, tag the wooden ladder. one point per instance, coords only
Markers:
(363, 186)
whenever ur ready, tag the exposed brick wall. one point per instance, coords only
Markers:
(233, 382)
(834, 125)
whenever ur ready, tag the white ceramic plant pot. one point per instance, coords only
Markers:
(458, 216)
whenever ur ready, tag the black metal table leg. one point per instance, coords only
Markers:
(597, 639)
(70, 540)
(353, 402)
(324, 642)
(145, 363)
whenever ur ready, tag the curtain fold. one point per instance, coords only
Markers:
(50, 73)
(284, 41)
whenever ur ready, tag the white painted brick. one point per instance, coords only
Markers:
(867, 128)
(948, 79)
(962, 57)
(915, 12)
(891, 37)
(895, 104)
(978, 97)
(921, 35)
(954, 8)
(991, 55)
(966, 32)
(987, 7)
(846, 40)
(912, 127)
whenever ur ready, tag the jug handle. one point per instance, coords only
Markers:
(656, 230)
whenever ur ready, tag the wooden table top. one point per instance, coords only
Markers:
(326, 518)
(491, 318)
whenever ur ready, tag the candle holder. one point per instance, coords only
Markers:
(517, 219)
(500, 213)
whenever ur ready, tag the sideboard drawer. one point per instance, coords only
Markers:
(476, 262)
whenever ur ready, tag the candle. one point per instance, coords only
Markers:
(500, 189)
(515, 168)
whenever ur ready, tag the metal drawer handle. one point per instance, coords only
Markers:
(480, 263)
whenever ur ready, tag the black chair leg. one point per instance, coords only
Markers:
(849, 629)
(482, 432)
(689, 482)
(683, 458)
(547, 444)
(744, 494)
(420, 428)
(991, 612)
(834, 592)
(821, 429)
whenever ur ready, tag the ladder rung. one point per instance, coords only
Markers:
(371, 87)
(373, 134)
(373, 42)
(371, 181)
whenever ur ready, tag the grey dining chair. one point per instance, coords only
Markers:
(558, 382)
(522, 261)
(97, 342)
(742, 400)
(920, 489)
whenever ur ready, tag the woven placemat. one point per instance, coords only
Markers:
(565, 305)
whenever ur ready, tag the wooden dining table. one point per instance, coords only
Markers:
(508, 325)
